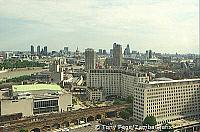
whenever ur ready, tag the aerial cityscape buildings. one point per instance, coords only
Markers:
(109, 66)
(163, 86)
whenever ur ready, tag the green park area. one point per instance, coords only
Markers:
(10, 64)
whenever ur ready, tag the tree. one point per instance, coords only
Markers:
(23, 130)
(129, 99)
(130, 110)
(116, 102)
(150, 120)
(125, 114)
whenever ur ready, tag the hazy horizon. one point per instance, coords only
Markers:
(163, 26)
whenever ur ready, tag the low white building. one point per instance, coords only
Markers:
(36, 99)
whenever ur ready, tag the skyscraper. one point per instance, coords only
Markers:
(100, 52)
(38, 50)
(104, 52)
(45, 50)
(117, 55)
(111, 52)
(127, 50)
(90, 59)
(66, 50)
(149, 54)
(32, 50)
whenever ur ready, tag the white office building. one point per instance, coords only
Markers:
(115, 81)
(167, 100)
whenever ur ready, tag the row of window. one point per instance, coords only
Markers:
(174, 88)
(45, 103)
(45, 110)
(173, 99)
(165, 114)
(171, 106)
(166, 93)
(171, 109)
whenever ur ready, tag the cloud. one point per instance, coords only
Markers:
(167, 26)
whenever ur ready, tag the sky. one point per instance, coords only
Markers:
(166, 26)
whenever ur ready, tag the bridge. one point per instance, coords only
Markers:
(47, 122)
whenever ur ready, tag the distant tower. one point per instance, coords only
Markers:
(149, 54)
(127, 50)
(100, 52)
(32, 50)
(45, 50)
(77, 51)
(66, 50)
(117, 55)
(111, 52)
(38, 50)
(90, 59)
(104, 52)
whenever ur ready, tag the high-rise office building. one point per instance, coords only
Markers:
(45, 50)
(38, 50)
(90, 59)
(32, 50)
(104, 52)
(117, 55)
(111, 52)
(149, 54)
(100, 52)
(127, 50)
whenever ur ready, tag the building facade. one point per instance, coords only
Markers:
(167, 100)
(45, 51)
(32, 50)
(90, 59)
(94, 94)
(38, 50)
(115, 81)
(36, 99)
(117, 55)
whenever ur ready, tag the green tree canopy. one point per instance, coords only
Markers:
(9, 64)
(125, 114)
(129, 99)
(150, 120)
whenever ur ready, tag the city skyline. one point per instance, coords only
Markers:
(99, 24)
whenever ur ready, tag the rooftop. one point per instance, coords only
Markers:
(36, 87)
(183, 123)
(174, 81)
